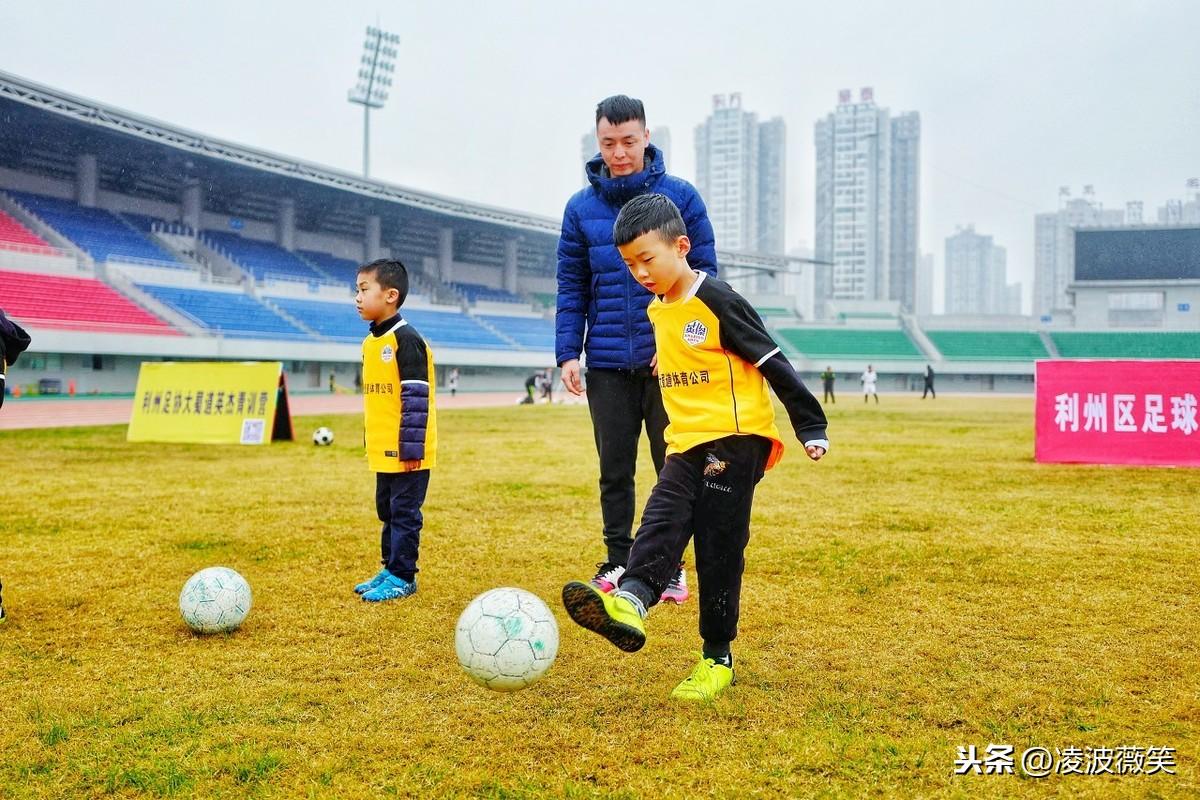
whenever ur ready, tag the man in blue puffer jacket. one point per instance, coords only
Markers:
(602, 313)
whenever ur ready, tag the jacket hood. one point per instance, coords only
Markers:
(619, 191)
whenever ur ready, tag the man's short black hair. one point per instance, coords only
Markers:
(390, 273)
(620, 108)
(646, 213)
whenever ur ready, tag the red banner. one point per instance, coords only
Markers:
(1118, 412)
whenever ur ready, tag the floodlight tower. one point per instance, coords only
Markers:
(374, 80)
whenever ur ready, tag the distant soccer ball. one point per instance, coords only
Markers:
(322, 437)
(215, 600)
(506, 639)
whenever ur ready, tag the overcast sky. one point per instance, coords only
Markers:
(1016, 98)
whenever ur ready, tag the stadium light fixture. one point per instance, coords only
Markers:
(375, 72)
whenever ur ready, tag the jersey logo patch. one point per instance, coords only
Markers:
(695, 332)
(387, 354)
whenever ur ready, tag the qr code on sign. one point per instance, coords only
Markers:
(252, 431)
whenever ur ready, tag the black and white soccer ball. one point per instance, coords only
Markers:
(322, 437)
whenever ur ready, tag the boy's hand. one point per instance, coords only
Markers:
(814, 452)
(411, 464)
(654, 365)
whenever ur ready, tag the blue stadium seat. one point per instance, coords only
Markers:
(234, 315)
(263, 259)
(532, 333)
(333, 266)
(475, 292)
(101, 234)
(149, 224)
(340, 322)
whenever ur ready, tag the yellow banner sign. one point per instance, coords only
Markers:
(211, 402)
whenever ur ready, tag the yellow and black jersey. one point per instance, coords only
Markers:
(398, 397)
(713, 355)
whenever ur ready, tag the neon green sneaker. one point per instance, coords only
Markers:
(614, 618)
(707, 680)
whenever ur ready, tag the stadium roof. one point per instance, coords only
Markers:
(46, 127)
(44, 130)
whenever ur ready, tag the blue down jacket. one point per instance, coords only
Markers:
(601, 308)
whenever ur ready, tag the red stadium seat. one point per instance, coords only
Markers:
(58, 301)
(14, 235)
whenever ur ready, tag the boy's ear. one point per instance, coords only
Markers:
(683, 246)
(392, 295)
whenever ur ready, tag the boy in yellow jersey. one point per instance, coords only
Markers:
(713, 356)
(401, 425)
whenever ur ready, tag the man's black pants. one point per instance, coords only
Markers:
(705, 494)
(398, 500)
(621, 402)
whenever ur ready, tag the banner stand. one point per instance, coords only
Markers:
(211, 402)
(282, 430)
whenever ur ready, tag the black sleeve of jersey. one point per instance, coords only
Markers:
(806, 414)
(743, 333)
(742, 330)
(412, 362)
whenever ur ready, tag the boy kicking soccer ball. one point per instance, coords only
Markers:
(713, 355)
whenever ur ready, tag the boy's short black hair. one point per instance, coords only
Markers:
(620, 108)
(646, 213)
(390, 273)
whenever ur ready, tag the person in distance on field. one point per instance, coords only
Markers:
(713, 356)
(401, 425)
(827, 379)
(869, 379)
(929, 382)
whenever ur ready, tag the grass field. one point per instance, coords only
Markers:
(927, 586)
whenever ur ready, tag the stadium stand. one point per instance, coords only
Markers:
(1138, 344)
(534, 333)
(475, 292)
(545, 299)
(263, 259)
(341, 323)
(768, 312)
(234, 315)
(336, 321)
(101, 234)
(988, 345)
(149, 224)
(69, 303)
(340, 269)
(15, 235)
(848, 343)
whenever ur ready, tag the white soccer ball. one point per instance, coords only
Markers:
(215, 600)
(506, 639)
(322, 437)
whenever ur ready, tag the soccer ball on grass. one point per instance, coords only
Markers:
(506, 639)
(215, 600)
(322, 437)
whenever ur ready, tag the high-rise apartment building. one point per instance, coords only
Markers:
(741, 174)
(1054, 246)
(976, 277)
(867, 220)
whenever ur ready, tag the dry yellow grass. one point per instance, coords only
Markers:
(925, 587)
